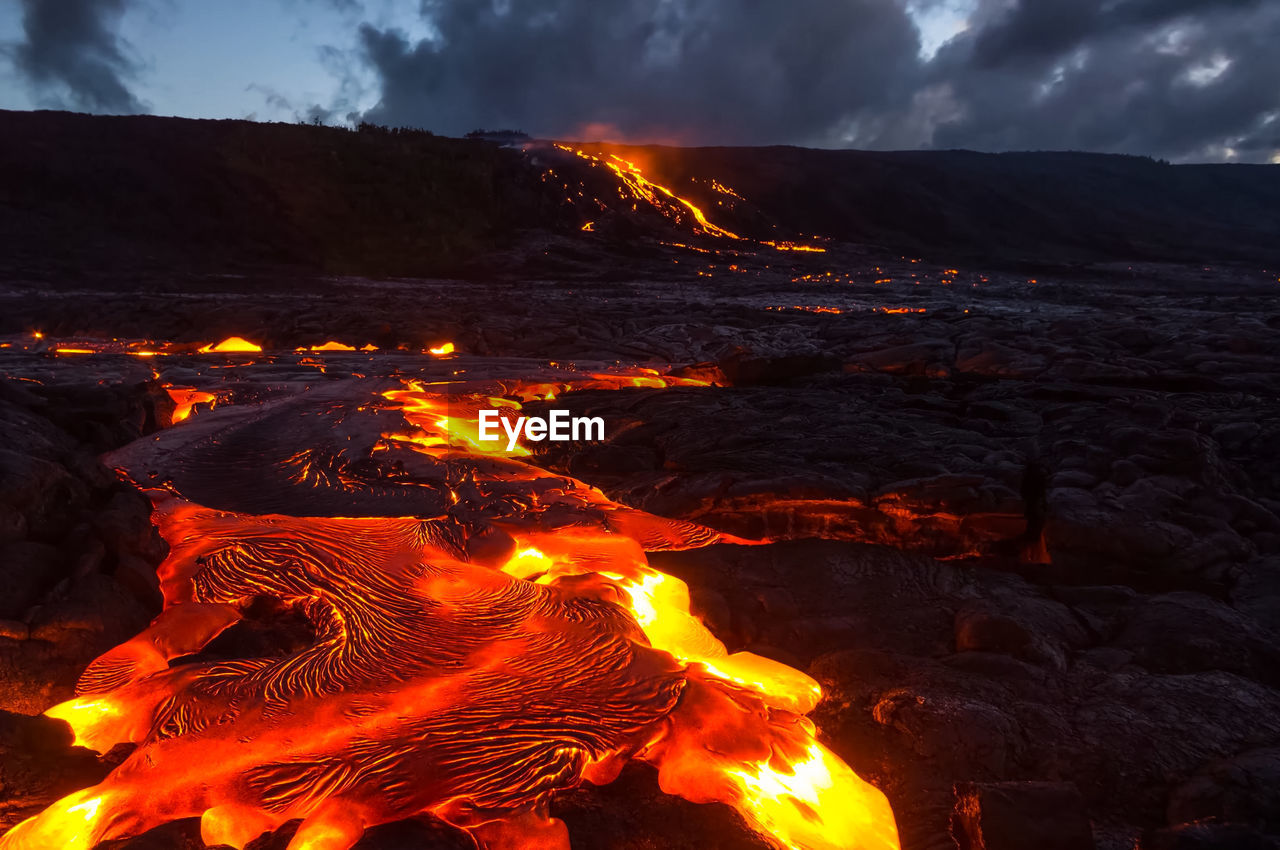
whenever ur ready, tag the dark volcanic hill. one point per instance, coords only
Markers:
(83, 194)
(1041, 207)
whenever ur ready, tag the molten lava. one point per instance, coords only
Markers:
(233, 344)
(795, 246)
(185, 399)
(635, 186)
(505, 642)
(332, 345)
(643, 189)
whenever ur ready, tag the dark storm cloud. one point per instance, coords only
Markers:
(1050, 27)
(691, 70)
(1179, 79)
(72, 56)
(1183, 79)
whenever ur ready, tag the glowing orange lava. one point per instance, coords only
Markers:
(795, 246)
(186, 398)
(332, 346)
(466, 663)
(658, 196)
(232, 344)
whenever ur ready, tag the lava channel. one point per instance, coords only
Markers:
(470, 659)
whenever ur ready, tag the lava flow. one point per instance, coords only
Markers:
(634, 186)
(502, 641)
(660, 197)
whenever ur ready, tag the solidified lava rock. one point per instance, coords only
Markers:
(71, 526)
(1138, 663)
(1016, 815)
(38, 764)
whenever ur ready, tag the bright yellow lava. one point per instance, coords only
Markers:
(83, 715)
(812, 803)
(820, 802)
(232, 344)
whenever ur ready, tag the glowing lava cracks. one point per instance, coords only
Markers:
(467, 664)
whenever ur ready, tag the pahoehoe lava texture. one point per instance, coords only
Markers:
(305, 455)
(466, 663)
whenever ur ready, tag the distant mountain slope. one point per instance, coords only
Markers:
(174, 193)
(1040, 207)
(82, 194)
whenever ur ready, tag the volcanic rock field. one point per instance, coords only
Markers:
(1017, 513)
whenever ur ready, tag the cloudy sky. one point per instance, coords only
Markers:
(1185, 80)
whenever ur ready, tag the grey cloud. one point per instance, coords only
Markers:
(1031, 29)
(1192, 83)
(1105, 75)
(732, 71)
(73, 57)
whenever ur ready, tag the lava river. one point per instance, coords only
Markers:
(485, 633)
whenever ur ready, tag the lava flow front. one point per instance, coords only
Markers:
(486, 634)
